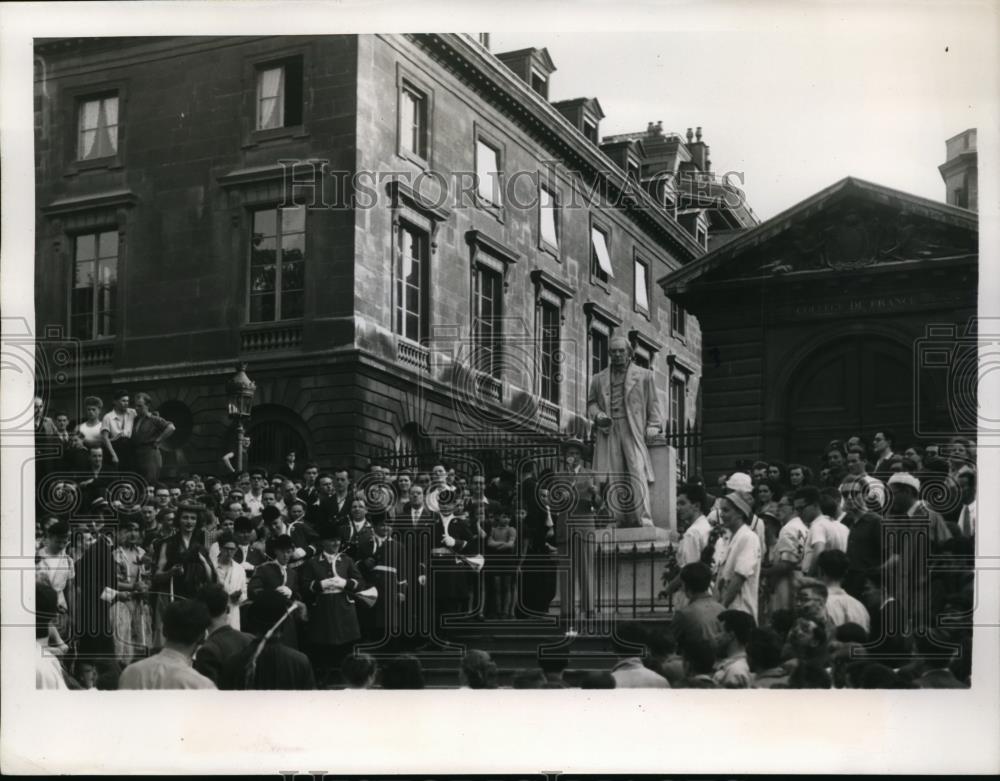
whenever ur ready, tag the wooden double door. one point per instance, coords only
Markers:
(857, 385)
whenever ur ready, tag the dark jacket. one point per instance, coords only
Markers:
(267, 577)
(333, 619)
(222, 645)
(278, 668)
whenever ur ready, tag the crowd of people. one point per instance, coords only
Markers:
(299, 576)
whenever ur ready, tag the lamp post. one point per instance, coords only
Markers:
(240, 390)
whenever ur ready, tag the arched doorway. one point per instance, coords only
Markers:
(856, 385)
(273, 431)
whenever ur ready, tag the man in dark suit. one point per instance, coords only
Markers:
(330, 583)
(276, 575)
(223, 642)
(414, 527)
(94, 487)
(453, 542)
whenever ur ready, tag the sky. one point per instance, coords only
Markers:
(797, 97)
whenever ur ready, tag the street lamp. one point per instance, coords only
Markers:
(240, 389)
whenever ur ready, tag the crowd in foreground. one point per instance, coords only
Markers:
(287, 578)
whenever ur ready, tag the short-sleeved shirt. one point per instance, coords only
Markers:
(831, 533)
(119, 424)
(743, 557)
(791, 543)
(693, 542)
(733, 672)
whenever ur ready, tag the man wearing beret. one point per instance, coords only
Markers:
(623, 404)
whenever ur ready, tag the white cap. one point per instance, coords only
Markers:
(905, 478)
(739, 481)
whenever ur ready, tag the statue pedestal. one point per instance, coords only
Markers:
(628, 568)
(663, 491)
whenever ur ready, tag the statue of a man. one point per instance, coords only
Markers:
(625, 409)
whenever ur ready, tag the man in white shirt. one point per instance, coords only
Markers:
(786, 556)
(841, 607)
(732, 671)
(969, 515)
(824, 532)
(738, 582)
(48, 670)
(184, 627)
(254, 499)
(691, 501)
(116, 428)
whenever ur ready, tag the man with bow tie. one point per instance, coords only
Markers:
(331, 584)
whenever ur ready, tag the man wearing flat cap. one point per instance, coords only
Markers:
(625, 409)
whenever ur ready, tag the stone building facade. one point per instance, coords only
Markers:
(308, 205)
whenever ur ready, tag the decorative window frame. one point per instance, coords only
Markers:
(548, 290)
(75, 97)
(252, 137)
(603, 320)
(410, 207)
(607, 230)
(640, 259)
(72, 217)
(494, 140)
(253, 189)
(554, 251)
(404, 78)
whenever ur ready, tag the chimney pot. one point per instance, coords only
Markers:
(690, 136)
(697, 135)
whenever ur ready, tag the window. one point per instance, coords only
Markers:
(95, 285)
(279, 94)
(549, 321)
(676, 406)
(277, 264)
(678, 319)
(590, 131)
(488, 172)
(487, 298)
(98, 127)
(548, 218)
(641, 292)
(412, 283)
(702, 237)
(633, 170)
(598, 350)
(641, 356)
(539, 83)
(600, 258)
(413, 116)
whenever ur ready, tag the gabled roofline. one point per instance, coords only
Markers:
(768, 229)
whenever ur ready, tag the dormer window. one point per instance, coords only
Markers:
(590, 130)
(540, 83)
